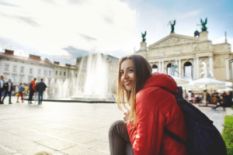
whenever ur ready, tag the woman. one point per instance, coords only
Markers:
(151, 110)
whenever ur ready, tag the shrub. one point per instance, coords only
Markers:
(228, 133)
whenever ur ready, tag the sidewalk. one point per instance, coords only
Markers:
(63, 128)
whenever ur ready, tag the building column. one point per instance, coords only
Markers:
(211, 65)
(196, 66)
(162, 69)
(159, 66)
(227, 71)
(180, 68)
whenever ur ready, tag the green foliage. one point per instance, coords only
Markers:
(228, 134)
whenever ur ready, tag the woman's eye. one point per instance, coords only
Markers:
(131, 70)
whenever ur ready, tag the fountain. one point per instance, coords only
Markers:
(95, 81)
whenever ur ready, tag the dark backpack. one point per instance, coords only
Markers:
(203, 138)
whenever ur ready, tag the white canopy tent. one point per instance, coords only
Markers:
(207, 83)
(226, 89)
(180, 81)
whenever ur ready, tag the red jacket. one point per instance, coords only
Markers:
(33, 83)
(155, 110)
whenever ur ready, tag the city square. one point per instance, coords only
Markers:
(63, 128)
(64, 66)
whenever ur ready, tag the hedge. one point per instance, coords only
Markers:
(228, 133)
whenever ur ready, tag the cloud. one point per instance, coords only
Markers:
(77, 1)
(6, 43)
(7, 4)
(87, 38)
(49, 26)
(25, 19)
(75, 52)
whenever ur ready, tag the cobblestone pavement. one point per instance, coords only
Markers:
(63, 128)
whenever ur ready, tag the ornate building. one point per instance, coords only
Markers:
(190, 57)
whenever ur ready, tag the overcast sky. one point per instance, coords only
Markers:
(64, 29)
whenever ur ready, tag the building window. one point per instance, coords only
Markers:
(22, 69)
(45, 72)
(49, 72)
(172, 69)
(64, 73)
(6, 68)
(39, 71)
(169, 69)
(188, 70)
(14, 69)
(154, 68)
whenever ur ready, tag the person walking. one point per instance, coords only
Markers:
(32, 89)
(151, 110)
(1, 88)
(40, 87)
(226, 101)
(20, 92)
(7, 88)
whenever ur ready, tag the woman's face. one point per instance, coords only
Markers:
(127, 74)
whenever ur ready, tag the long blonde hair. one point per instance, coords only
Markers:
(128, 98)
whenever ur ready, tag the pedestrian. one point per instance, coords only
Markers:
(40, 87)
(20, 93)
(1, 88)
(206, 97)
(152, 109)
(32, 89)
(226, 101)
(7, 88)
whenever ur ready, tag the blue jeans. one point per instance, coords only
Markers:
(40, 97)
(7, 93)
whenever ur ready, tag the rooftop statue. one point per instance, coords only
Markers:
(143, 36)
(203, 25)
(172, 24)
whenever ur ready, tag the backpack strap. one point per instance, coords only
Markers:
(174, 136)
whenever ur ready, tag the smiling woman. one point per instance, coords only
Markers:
(127, 75)
(151, 110)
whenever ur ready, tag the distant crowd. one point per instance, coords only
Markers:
(218, 99)
(8, 89)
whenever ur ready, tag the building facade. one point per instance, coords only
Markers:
(190, 57)
(24, 69)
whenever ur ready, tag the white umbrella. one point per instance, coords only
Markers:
(180, 81)
(207, 83)
(226, 89)
(228, 84)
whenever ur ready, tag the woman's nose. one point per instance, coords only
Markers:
(125, 76)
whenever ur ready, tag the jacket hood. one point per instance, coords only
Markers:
(163, 81)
